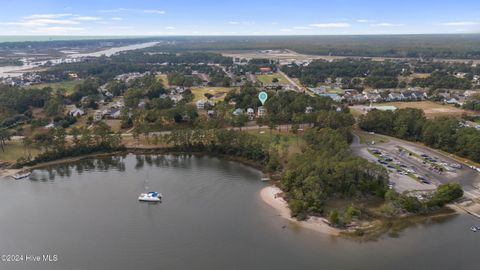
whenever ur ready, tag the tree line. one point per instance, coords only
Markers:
(55, 145)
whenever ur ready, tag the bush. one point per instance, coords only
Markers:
(445, 193)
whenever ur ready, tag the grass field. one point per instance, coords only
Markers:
(368, 138)
(430, 108)
(200, 92)
(164, 79)
(114, 124)
(14, 151)
(67, 85)
(267, 78)
(294, 143)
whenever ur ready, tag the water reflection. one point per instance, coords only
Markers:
(65, 170)
(211, 218)
(109, 163)
(388, 228)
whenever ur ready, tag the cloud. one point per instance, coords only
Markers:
(40, 22)
(301, 28)
(57, 30)
(330, 25)
(154, 11)
(115, 10)
(116, 18)
(386, 24)
(120, 27)
(170, 28)
(365, 21)
(24, 24)
(241, 23)
(464, 23)
(54, 21)
(87, 18)
(47, 16)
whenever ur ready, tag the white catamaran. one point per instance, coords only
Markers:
(151, 196)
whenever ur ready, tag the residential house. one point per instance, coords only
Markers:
(142, 103)
(407, 95)
(353, 99)
(50, 126)
(98, 115)
(308, 109)
(452, 101)
(73, 76)
(470, 93)
(238, 112)
(419, 95)
(116, 114)
(373, 97)
(333, 96)
(76, 112)
(250, 113)
(211, 113)
(201, 104)
(262, 111)
(395, 97)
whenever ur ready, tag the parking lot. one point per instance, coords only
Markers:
(417, 168)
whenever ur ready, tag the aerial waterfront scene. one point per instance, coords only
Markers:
(247, 135)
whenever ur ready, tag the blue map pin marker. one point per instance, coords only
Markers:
(263, 96)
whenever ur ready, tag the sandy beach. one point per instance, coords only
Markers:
(279, 204)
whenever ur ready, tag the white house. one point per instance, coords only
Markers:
(50, 126)
(76, 112)
(201, 104)
(262, 111)
(238, 112)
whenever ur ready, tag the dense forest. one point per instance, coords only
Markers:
(463, 46)
(326, 170)
(358, 73)
(105, 68)
(412, 46)
(378, 74)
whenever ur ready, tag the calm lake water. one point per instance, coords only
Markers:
(212, 217)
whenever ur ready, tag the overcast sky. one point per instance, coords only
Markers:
(240, 17)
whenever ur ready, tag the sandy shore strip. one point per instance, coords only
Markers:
(268, 195)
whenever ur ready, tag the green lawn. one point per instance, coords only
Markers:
(266, 79)
(200, 92)
(14, 151)
(294, 143)
(368, 138)
(67, 85)
(164, 79)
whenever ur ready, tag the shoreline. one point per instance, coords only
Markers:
(268, 195)
(8, 172)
